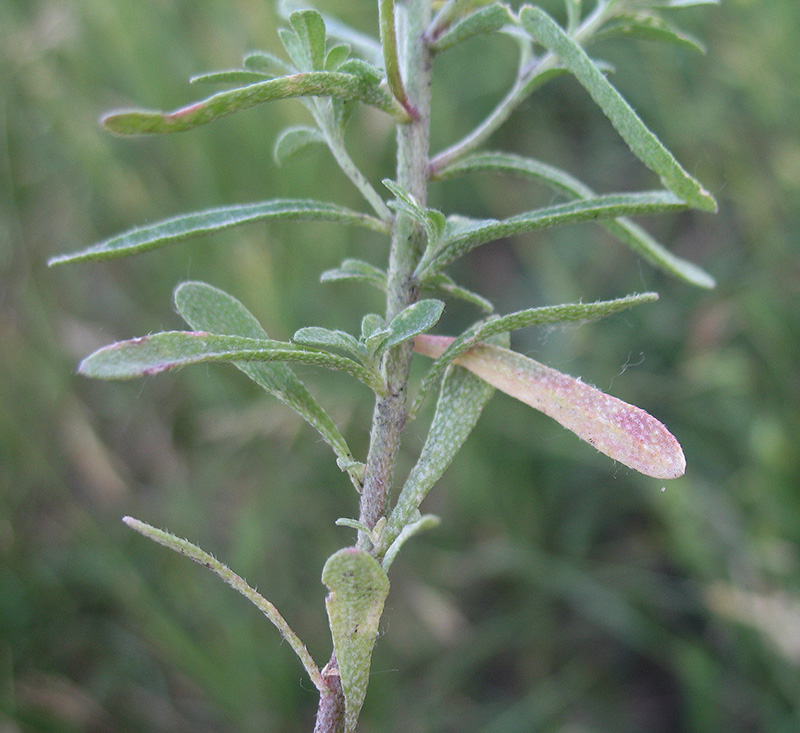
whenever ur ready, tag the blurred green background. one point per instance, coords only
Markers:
(561, 592)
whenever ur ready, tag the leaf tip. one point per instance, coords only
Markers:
(707, 202)
(132, 122)
(135, 524)
(57, 260)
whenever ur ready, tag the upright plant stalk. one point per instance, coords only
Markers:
(408, 241)
(407, 244)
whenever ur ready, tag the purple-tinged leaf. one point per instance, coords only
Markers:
(619, 430)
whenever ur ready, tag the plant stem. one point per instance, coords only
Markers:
(408, 241)
(323, 118)
(330, 712)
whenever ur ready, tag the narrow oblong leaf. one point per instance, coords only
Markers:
(432, 220)
(294, 139)
(181, 227)
(446, 284)
(267, 63)
(573, 14)
(461, 401)
(193, 552)
(649, 27)
(336, 56)
(619, 430)
(160, 352)
(310, 30)
(232, 76)
(424, 523)
(206, 308)
(642, 142)
(357, 587)
(465, 234)
(564, 313)
(371, 325)
(324, 338)
(351, 269)
(365, 45)
(305, 84)
(413, 320)
(484, 20)
(630, 234)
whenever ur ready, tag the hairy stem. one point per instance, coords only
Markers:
(330, 712)
(408, 241)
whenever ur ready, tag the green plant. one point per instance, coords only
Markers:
(333, 69)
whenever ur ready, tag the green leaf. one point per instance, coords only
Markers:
(181, 227)
(147, 355)
(619, 430)
(205, 308)
(465, 235)
(310, 30)
(369, 74)
(305, 84)
(461, 401)
(294, 49)
(649, 28)
(428, 521)
(623, 229)
(482, 21)
(351, 269)
(193, 552)
(678, 3)
(643, 143)
(358, 588)
(365, 45)
(446, 284)
(336, 56)
(294, 139)
(371, 325)
(432, 220)
(565, 313)
(451, 12)
(413, 320)
(324, 338)
(233, 76)
(267, 63)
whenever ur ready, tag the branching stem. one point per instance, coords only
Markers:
(530, 76)
(408, 241)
